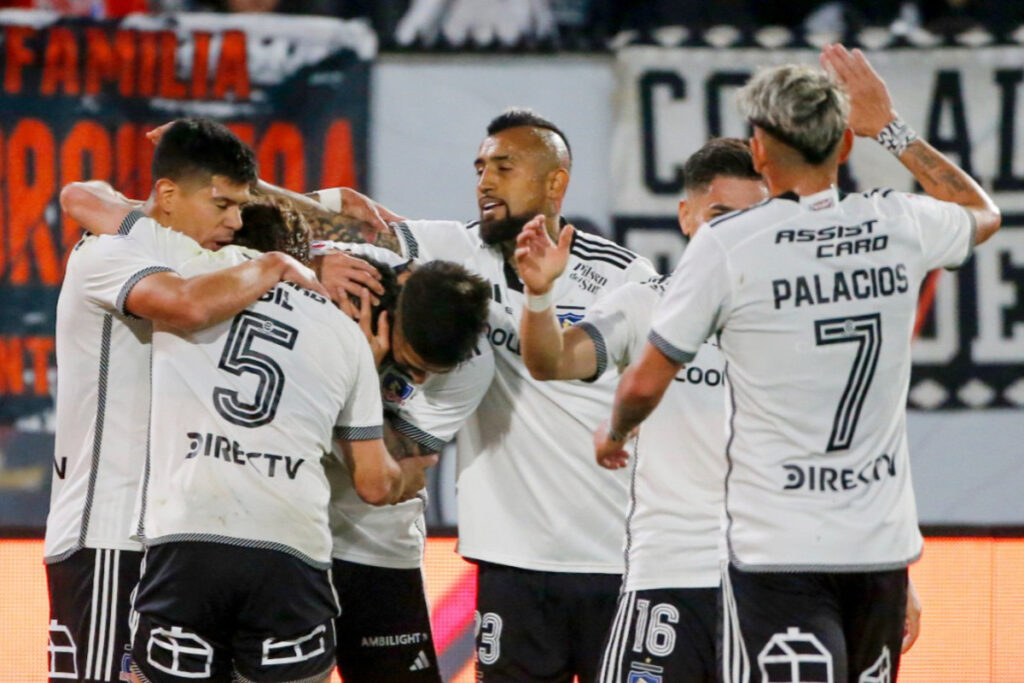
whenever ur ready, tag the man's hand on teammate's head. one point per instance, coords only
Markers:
(343, 274)
(293, 271)
(154, 135)
(610, 453)
(871, 107)
(380, 343)
(538, 259)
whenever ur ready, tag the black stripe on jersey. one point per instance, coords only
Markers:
(430, 443)
(359, 433)
(739, 212)
(512, 280)
(885, 192)
(101, 409)
(140, 529)
(583, 239)
(658, 283)
(412, 247)
(731, 422)
(129, 221)
(600, 349)
(473, 223)
(607, 257)
(586, 248)
(126, 288)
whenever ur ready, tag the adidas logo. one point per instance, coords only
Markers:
(421, 662)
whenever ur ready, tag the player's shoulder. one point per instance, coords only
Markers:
(601, 251)
(422, 237)
(757, 215)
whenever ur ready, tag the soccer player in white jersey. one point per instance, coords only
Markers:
(113, 288)
(542, 523)
(812, 296)
(668, 609)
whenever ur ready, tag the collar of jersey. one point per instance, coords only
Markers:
(827, 199)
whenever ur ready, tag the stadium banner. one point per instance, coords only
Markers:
(968, 103)
(77, 99)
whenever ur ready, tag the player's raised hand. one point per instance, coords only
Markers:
(358, 206)
(539, 260)
(610, 454)
(871, 107)
(301, 275)
(380, 343)
(343, 274)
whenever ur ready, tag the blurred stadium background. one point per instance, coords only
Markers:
(392, 96)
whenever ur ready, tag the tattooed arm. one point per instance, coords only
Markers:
(400, 446)
(871, 110)
(360, 220)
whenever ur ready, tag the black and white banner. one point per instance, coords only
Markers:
(966, 102)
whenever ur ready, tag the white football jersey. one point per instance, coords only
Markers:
(244, 410)
(673, 527)
(430, 414)
(814, 299)
(530, 494)
(103, 386)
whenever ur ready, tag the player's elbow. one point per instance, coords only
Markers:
(988, 222)
(540, 370)
(73, 198)
(637, 389)
(184, 314)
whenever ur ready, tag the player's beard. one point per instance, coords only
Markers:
(503, 229)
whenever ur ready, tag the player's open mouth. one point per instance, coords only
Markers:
(488, 207)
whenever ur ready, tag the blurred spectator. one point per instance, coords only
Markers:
(83, 8)
(323, 7)
(954, 16)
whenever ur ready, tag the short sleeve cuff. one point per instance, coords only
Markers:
(429, 442)
(409, 244)
(671, 352)
(126, 288)
(129, 221)
(370, 433)
(971, 239)
(600, 349)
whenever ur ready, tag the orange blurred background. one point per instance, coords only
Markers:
(972, 590)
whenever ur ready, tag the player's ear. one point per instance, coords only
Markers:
(558, 183)
(166, 193)
(684, 212)
(757, 151)
(846, 145)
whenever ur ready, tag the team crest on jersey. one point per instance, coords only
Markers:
(395, 387)
(569, 315)
(645, 673)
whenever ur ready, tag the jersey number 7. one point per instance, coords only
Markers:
(239, 358)
(866, 332)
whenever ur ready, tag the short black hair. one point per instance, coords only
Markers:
(443, 310)
(387, 301)
(196, 149)
(514, 117)
(270, 226)
(719, 157)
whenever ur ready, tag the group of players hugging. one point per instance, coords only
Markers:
(252, 384)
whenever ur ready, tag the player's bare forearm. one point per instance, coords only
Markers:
(551, 352)
(376, 476)
(329, 224)
(198, 302)
(641, 388)
(96, 206)
(942, 179)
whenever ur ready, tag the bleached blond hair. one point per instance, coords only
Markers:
(800, 106)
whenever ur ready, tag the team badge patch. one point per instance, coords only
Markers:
(395, 387)
(568, 318)
(644, 673)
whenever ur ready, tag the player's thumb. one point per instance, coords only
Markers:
(565, 237)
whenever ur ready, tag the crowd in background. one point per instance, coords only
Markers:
(589, 24)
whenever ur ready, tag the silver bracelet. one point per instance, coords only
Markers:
(896, 137)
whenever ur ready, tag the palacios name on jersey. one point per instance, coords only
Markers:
(862, 283)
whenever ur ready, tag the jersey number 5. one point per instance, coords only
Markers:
(866, 332)
(239, 358)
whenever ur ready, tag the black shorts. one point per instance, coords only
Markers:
(810, 627)
(90, 600)
(384, 629)
(541, 627)
(210, 611)
(663, 634)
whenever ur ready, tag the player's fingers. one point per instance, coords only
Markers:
(365, 316)
(384, 332)
(345, 304)
(565, 238)
(390, 216)
(367, 279)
